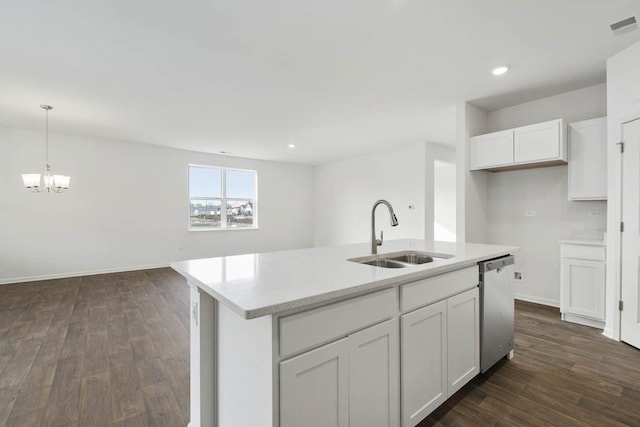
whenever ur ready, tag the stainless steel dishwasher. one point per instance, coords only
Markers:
(496, 311)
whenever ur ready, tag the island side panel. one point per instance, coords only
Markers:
(202, 358)
(244, 370)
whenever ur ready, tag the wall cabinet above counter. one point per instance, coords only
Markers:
(540, 144)
(588, 160)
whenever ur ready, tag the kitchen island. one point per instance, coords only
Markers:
(309, 338)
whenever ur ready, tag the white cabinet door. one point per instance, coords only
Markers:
(314, 388)
(494, 149)
(588, 160)
(539, 142)
(463, 339)
(374, 376)
(583, 287)
(424, 362)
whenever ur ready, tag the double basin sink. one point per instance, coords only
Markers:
(400, 259)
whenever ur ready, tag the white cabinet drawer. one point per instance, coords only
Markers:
(308, 329)
(427, 291)
(595, 253)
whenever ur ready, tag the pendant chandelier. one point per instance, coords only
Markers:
(52, 183)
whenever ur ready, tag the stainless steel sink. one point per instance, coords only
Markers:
(400, 259)
(383, 263)
(413, 258)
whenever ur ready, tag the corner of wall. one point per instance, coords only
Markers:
(471, 216)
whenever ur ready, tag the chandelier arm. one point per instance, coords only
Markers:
(46, 138)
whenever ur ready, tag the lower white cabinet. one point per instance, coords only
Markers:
(440, 353)
(424, 362)
(351, 382)
(582, 284)
(463, 339)
(314, 388)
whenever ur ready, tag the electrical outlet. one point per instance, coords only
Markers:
(519, 276)
(530, 213)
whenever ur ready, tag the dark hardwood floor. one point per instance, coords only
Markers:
(113, 350)
(106, 350)
(562, 374)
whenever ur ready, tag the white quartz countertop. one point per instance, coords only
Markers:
(584, 242)
(256, 285)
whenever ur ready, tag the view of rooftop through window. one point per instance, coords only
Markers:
(221, 198)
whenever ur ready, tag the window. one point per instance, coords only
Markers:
(221, 198)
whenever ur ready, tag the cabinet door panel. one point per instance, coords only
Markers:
(314, 388)
(424, 362)
(495, 149)
(537, 142)
(588, 160)
(583, 287)
(463, 339)
(374, 376)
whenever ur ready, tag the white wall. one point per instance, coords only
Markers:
(543, 190)
(582, 104)
(346, 190)
(471, 203)
(444, 201)
(127, 208)
(623, 103)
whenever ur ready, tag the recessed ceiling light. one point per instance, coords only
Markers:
(291, 145)
(498, 71)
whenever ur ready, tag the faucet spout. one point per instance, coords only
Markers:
(375, 242)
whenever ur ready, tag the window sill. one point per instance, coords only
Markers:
(199, 230)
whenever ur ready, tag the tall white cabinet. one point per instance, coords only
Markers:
(588, 159)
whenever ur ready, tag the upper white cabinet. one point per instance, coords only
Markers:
(541, 144)
(491, 150)
(588, 160)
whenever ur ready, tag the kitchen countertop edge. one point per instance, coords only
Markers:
(417, 272)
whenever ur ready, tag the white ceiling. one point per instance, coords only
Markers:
(335, 77)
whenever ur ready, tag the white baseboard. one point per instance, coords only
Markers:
(80, 273)
(538, 300)
(608, 332)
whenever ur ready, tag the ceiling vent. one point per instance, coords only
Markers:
(624, 26)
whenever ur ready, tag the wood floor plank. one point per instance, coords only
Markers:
(96, 353)
(64, 397)
(16, 371)
(162, 406)
(95, 402)
(126, 395)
